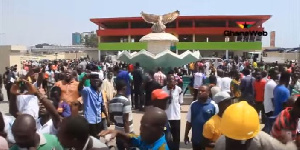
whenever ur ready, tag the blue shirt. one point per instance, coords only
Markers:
(158, 145)
(200, 113)
(124, 75)
(92, 101)
(281, 94)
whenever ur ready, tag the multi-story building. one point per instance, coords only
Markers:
(76, 38)
(212, 35)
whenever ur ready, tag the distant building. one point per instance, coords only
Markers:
(84, 34)
(211, 35)
(76, 38)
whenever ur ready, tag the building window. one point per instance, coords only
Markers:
(210, 23)
(185, 38)
(183, 24)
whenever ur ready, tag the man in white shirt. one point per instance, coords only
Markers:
(220, 74)
(173, 110)
(225, 83)
(268, 97)
(198, 81)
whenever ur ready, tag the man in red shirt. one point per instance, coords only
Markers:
(285, 127)
(259, 92)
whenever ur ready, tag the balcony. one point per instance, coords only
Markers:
(179, 31)
(187, 46)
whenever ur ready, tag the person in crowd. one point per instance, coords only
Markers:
(69, 91)
(22, 100)
(124, 75)
(74, 134)
(120, 112)
(137, 84)
(173, 110)
(97, 70)
(150, 85)
(9, 79)
(220, 75)
(109, 92)
(87, 82)
(108, 86)
(211, 129)
(214, 89)
(198, 78)
(285, 127)
(235, 84)
(259, 92)
(264, 74)
(225, 82)
(48, 120)
(160, 99)
(269, 96)
(151, 131)
(93, 104)
(178, 77)
(160, 77)
(25, 134)
(281, 92)
(63, 108)
(50, 77)
(196, 118)
(246, 86)
(241, 131)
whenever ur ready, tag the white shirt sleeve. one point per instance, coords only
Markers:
(189, 114)
(180, 96)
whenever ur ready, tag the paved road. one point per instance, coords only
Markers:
(136, 118)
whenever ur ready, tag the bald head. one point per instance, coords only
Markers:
(152, 124)
(24, 131)
(156, 116)
(24, 122)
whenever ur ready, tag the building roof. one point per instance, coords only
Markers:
(263, 18)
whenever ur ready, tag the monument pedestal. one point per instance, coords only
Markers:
(158, 42)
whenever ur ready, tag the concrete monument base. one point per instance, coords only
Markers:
(158, 42)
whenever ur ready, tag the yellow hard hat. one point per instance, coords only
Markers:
(240, 121)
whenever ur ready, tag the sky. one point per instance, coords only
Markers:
(30, 22)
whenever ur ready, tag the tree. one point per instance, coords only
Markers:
(91, 41)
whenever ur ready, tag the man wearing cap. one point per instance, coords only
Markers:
(211, 129)
(160, 99)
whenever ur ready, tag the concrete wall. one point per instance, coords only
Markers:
(10, 50)
(289, 56)
(93, 54)
(13, 55)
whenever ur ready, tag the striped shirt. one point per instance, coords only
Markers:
(160, 77)
(285, 124)
(119, 106)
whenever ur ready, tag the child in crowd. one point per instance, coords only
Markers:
(63, 107)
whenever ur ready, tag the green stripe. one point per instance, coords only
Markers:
(187, 46)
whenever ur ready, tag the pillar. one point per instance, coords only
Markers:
(226, 54)
(194, 38)
(99, 51)
(129, 38)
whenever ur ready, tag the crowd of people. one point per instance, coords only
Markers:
(70, 104)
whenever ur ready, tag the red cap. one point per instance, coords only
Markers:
(130, 68)
(159, 94)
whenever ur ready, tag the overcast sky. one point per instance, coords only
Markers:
(29, 22)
